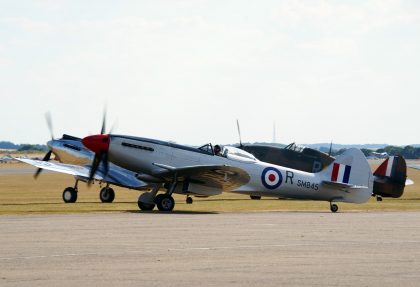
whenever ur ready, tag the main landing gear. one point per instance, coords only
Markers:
(107, 194)
(70, 194)
(146, 201)
(333, 207)
(255, 197)
(164, 202)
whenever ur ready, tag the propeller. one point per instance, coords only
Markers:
(239, 133)
(47, 156)
(99, 144)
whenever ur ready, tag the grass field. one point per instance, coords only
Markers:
(21, 194)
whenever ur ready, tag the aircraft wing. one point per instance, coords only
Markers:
(115, 176)
(218, 176)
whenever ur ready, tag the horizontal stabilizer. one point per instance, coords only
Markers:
(342, 185)
(408, 182)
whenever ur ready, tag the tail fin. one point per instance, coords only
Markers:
(390, 177)
(350, 172)
(394, 167)
(351, 168)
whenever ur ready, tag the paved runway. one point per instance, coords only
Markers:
(17, 170)
(250, 249)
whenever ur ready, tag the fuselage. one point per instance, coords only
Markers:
(141, 154)
(70, 151)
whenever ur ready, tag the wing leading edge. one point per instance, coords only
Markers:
(116, 176)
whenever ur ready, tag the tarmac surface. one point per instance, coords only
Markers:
(198, 249)
(18, 170)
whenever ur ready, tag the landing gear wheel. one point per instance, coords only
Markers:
(378, 198)
(70, 195)
(165, 202)
(333, 207)
(145, 206)
(107, 195)
(255, 197)
(189, 200)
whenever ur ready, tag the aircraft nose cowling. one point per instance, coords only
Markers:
(97, 143)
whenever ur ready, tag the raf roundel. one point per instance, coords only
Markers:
(271, 178)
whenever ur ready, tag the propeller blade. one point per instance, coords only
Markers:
(101, 157)
(114, 126)
(48, 118)
(330, 151)
(94, 167)
(105, 161)
(103, 128)
(239, 133)
(38, 171)
(46, 158)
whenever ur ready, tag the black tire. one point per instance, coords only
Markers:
(378, 198)
(145, 206)
(70, 195)
(333, 207)
(255, 197)
(165, 202)
(189, 200)
(107, 195)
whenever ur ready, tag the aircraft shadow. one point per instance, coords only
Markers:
(171, 212)
(406, 199)
(55, 203)
(236, 199)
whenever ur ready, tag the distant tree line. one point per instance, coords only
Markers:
(22, 147)
(32, 147)
(408, 152)
(8, 145)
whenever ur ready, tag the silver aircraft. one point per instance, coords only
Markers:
(76, 160)
(211, 170)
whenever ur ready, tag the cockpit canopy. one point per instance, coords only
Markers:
(229, 152)
(236, 153)
(293, 146)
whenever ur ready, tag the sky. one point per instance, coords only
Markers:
(185, 71)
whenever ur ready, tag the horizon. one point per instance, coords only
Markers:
(318, 145)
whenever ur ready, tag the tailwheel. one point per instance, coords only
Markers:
(70, 195)
(333, 207)
(189, 200)
(165, 202)
(255, 197)
(107, 195)
(378, 198)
